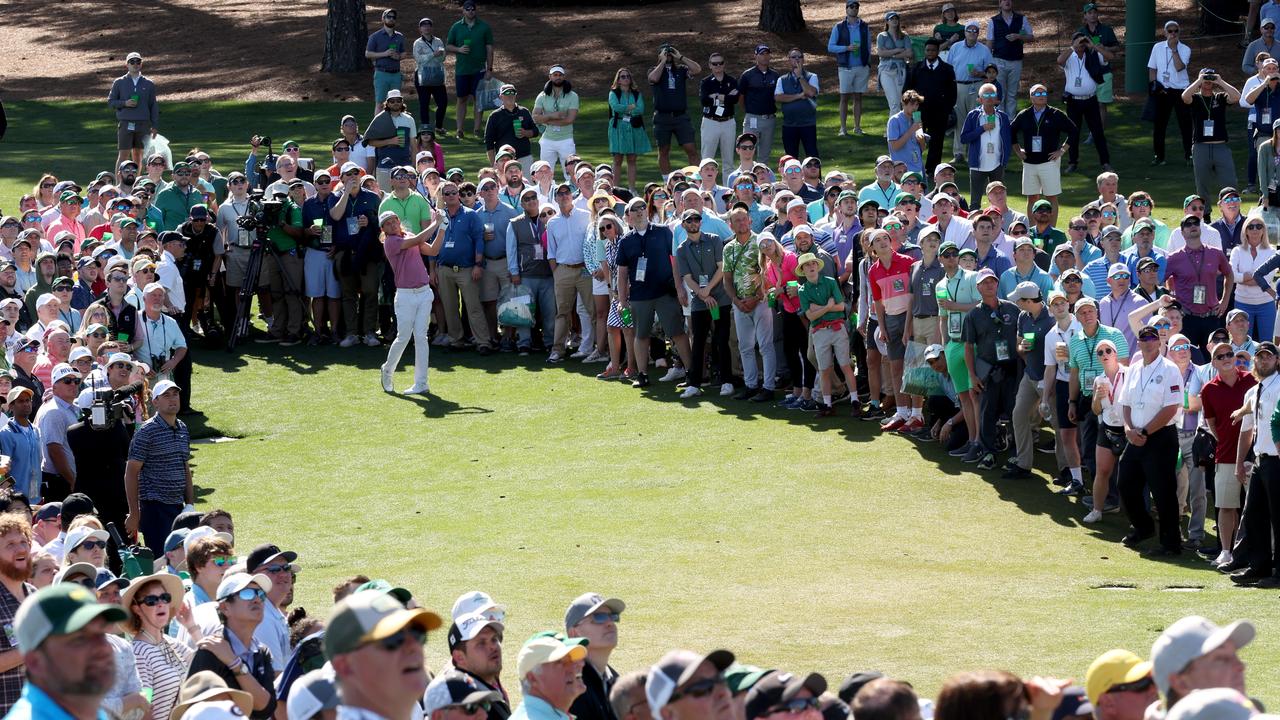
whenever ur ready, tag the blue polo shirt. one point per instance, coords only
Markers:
(22, 445)
(463, 239)
(1130, 257)
(382, 41)
(1010, 278)
(35, 704)
(535, 708)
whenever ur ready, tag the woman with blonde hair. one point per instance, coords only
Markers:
(593, 259)
(622, 335)
(43, 191)
(1111, 438)
(1254, 250)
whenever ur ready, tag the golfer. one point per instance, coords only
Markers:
(413, 294)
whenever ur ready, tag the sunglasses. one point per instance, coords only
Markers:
(1149, 337)
(1224, 356)
(1081, 228)
(62, 288)
(600, 618)
(30, 218)
(746, 146)
(797, 705)
(1190, 223)
(1180, 346)
(1230, 200)
(717, 64)
(989, 96)
(1242, 362)
(471, 193)
(1255, 226)
(892, 226)
(251, 594)
(1120, 276)
(448, 193)
(46, 186)
(1105, 351)
(1162, 326)
(224, 561)
(1040, 93)
(793, 171)
(699, 689)
(76, 381)
(153, 600)
(949, 253)
(394, 642)
(117, 278)
(342, 148)
(286, 567)
(1135, 686)
(92, 544)
(660, 196)
(693, 220)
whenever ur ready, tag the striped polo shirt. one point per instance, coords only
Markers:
(1082, 354)
(163, 451)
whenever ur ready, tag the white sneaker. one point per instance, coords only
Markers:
(386, 381)
(596, 357)
(1093, 516)
(372, 340)
(674, 373)
(418, 390)
(692, 391)
(579, 354)
(726, 389)
(441, 340)
(348, 341)
(1223, 558)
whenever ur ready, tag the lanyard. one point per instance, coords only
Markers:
(1257, 404)
(1119, 307)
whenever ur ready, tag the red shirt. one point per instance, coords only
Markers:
(891, 285)
(1220, 400)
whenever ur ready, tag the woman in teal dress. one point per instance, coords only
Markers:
(627, 134)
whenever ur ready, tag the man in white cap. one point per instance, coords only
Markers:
(475, 646)
(556, 108)
(163, 345)
(550, 671)
(58, 465)
(684, 685)
(157, 480)
(453, 696)
(133, 97)
(595, 618)
(1167, 75)
(1194, 653)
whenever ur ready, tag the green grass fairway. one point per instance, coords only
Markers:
(797, 544)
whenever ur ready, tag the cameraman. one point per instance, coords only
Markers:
(670, 82)
(199, 267)
(359, 256)
(100, 444)
(282, 269)
(237, 242)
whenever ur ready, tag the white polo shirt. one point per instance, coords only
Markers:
(1079, 83)
(1161, 60)
(1151, 388)
(1258, 418)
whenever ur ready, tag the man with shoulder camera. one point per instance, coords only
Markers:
(237, 244)
(157, 478)
(1209, 96)
(1167, 75)
(100, 444)
(669, 80)
(282, 270)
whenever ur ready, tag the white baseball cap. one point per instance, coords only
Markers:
(162, 387)
(476, 601)
(63, 370)
(1190, 638)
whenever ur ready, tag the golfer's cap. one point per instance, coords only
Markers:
(933, 352)
(674, 670)
(133, 56)
(59, 610)
(370, 615)
(1235, 313)
(235, 582)
(1114, 667)
(797, 203)
(1268, 347)
(78, 352)
(174, 541)
(452, 689)
(1041, 205)
(1085, 300)
(394, 95)
(162, 387)
(475, 601)
(76, 537)
(468, 626)
(1116, 270)
(1144, 224)
(985, 274)
(61, 371)
(943, 166)
(349, 167)
(547, 648)
(556, 69)
(588, 603)
(1268, 21)
(385, 216)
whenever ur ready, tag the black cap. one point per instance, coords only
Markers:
(1227, 192)
(49, 511)
(75, 505)
(189, 520)
(833, 708)
(169, 236)
(1267, 346)
(777, 688)
(265, 552)
(854, 683)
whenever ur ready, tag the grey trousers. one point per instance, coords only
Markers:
(1026, 419)
(763, 126)
(1191, 488)
(1213, 167)
(978, 184)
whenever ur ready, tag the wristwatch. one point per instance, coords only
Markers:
(1143, 432)
(242, 668)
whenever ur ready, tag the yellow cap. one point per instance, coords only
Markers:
(1114, 667)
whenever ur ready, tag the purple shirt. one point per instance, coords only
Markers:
(410, 271)
(1191, 268)
(1115, 313)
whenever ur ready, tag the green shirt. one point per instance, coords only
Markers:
(1082, 355)
(478, 37)
(1049, 239)
(742, 264)
(962, 288)
(818, 293)
(292, 215)
(414, 211)
(550, 103)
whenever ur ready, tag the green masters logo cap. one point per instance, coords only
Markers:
(368, 616)
(59, 610)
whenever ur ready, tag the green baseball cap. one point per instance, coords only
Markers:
(368, 616)
(742, 678)
(60, 610)
(948, 245)
(1041, 204)
(382, 586)
(1190, 199)
(68, 195)
(847, 195)
(905, 196)
(288, 144)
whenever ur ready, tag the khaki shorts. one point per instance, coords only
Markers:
(925, 330)
(1226, 488)
(831, 347)
(854, 80)
(237, 263)
(134, 139)
(496, 279)
(1042, 179)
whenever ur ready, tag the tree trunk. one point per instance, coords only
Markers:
(781, 16)
(345, 37)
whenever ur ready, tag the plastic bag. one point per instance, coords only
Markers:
(158, 144)
(515, 307)
(487, 94)
(917, 377)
